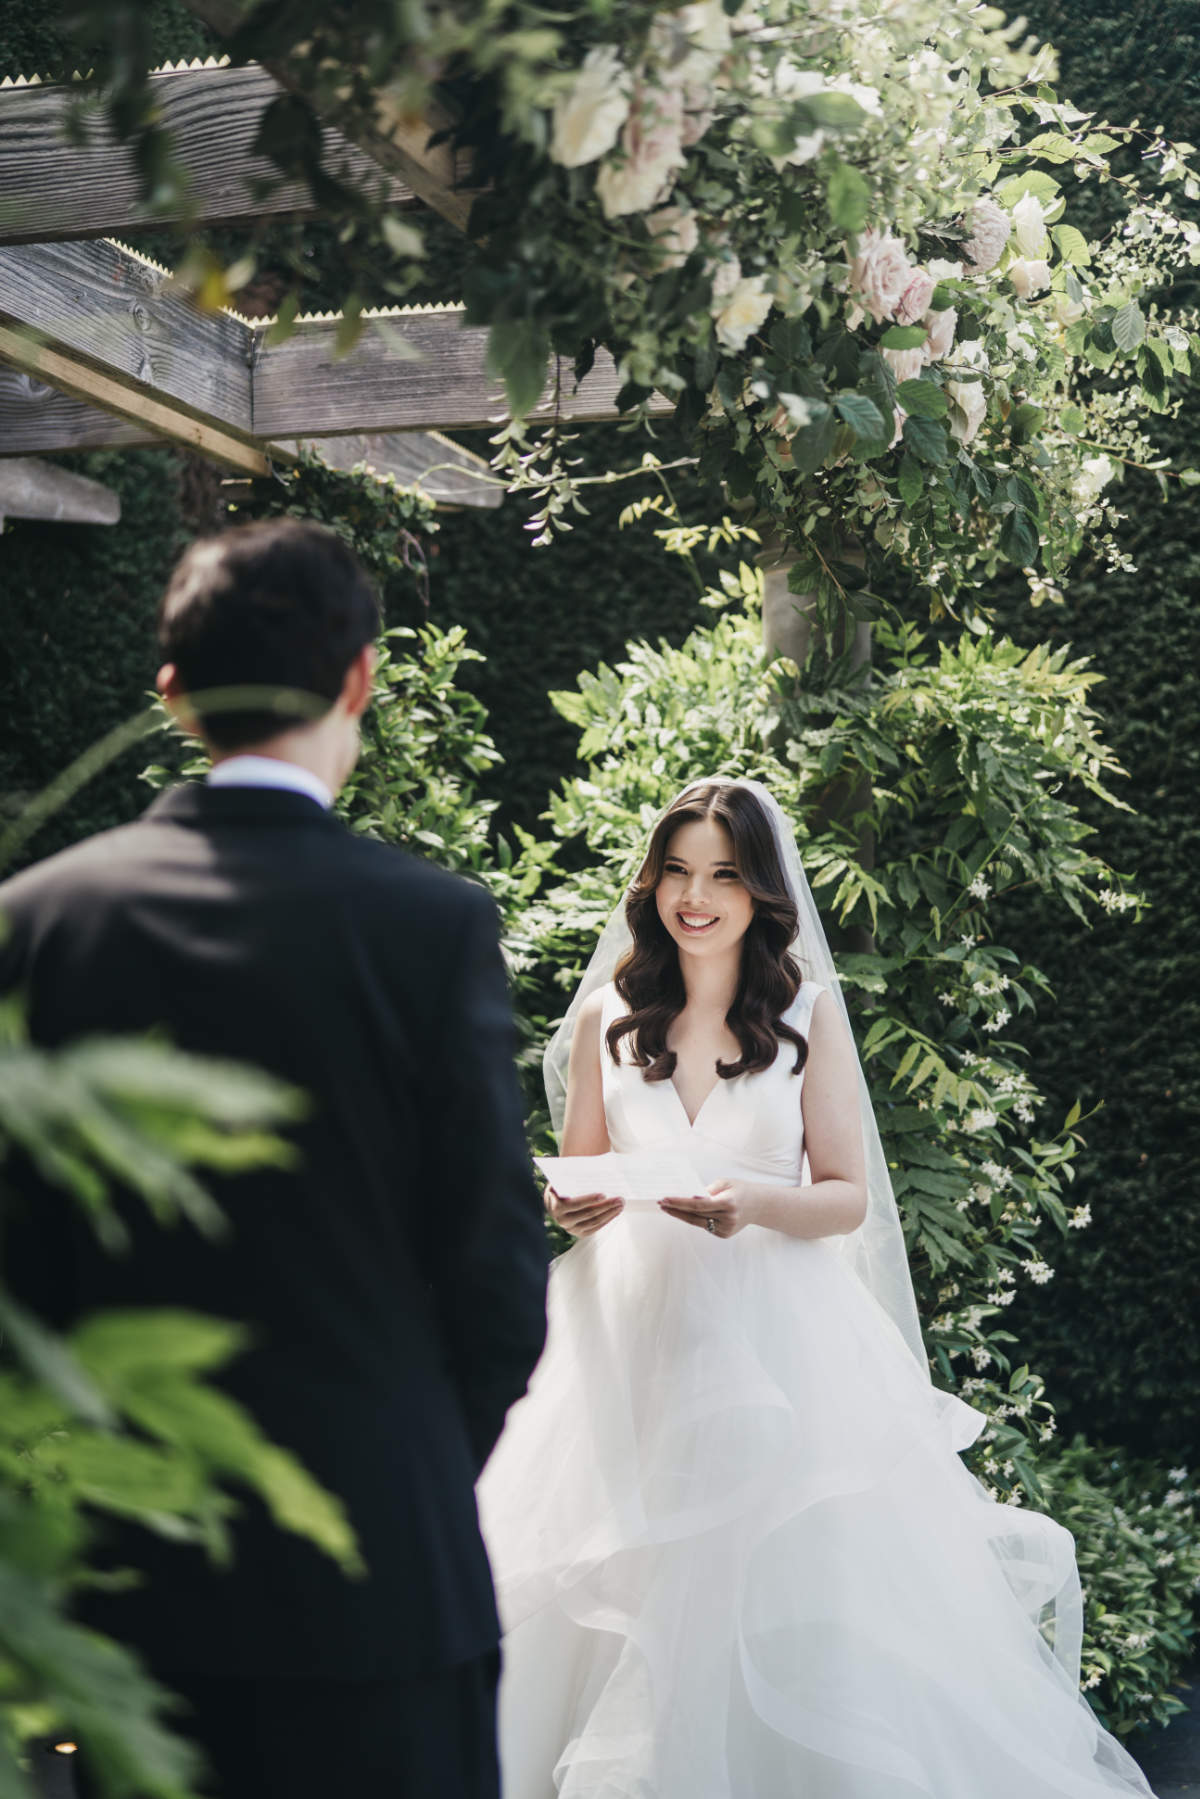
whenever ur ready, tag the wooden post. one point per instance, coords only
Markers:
(789, 625)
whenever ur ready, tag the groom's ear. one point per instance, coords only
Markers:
(174, 693)
(359, 681)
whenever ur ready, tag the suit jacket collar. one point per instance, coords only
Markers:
(195, 803)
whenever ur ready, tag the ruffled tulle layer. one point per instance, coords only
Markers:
(737, 1555)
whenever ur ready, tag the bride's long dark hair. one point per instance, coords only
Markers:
(648, 976)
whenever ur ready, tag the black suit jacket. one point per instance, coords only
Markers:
(395, 1282)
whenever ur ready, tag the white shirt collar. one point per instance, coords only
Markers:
(269, 771)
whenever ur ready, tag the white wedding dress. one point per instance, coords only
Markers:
(736, 1553)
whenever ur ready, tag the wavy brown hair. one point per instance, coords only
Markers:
(648, 976)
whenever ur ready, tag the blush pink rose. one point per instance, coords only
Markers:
(941, 327)
(880, 274)
(914, 301)
(640, 173)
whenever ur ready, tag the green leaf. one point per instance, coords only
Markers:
(927, 439)
(1073, 419)
(51, 1361)
(813, 445)
(910, 481)
(847, 197)
(861, 414)
(401, 238)
(1072, 245)
(903, 337)
(1129, 326)
(518, 353)
(922, 399)
(1019, 538)
(834, 111)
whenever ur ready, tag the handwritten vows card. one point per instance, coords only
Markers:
(640, 1178)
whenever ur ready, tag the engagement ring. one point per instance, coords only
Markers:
(711, 1224)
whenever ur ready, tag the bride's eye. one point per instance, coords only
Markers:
(673, 868)
(728, 874)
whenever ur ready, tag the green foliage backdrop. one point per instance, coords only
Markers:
(1117, 1333)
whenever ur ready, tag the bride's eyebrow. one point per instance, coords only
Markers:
(683, 863)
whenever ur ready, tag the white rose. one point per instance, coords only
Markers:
(588, 117)
(639, 174)
(790, 83)
(1029, 278)
(941, 327)
(880, 274)
(906, 365)
(742, 311)
(968, 407)
(724, 277)
(990, 229)
(867, 97)
(1029, 225)
(690, 43)
(941, 270)
(1095, 473)
(675, 233)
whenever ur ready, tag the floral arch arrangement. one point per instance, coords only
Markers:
(836, 234)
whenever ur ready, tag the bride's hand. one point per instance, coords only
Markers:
(584, 1216)
(728, 1204)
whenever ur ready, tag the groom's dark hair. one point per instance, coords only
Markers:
(278, 603)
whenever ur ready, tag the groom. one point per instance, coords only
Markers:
(394, 1279)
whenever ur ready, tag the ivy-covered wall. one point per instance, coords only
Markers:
(1117, 1332)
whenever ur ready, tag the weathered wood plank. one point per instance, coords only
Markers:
(448, 474)
(393, 140)
(33, 489)
(102, 305)
(38, 418)
(76, 377)
(411, 370)
(52, 189)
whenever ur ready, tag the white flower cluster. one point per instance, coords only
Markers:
(997, 1021)
(979, 888)
(1038, 1271)
(1080, 1218)
(1114, 901)
(980, 1120)
(1176, 1475)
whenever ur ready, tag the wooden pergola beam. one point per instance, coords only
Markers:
(445, 472)
(416, 368)
(393, 139)
(51, 188)
(35, 418)
(33, 489)
(106, 326)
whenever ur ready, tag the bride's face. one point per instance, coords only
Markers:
(700, 896)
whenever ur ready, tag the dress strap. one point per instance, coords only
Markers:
(799, 1013)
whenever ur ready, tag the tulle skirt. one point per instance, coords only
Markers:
(737, 1555)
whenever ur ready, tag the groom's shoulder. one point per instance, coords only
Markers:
(398, 874)
(92, 864)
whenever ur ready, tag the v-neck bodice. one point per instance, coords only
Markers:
(750, 1126)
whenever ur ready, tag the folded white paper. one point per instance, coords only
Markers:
(640, 1178)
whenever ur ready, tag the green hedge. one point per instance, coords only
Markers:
(1117, 1332)
(77, 638)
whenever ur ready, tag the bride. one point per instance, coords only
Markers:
(736, 1553)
